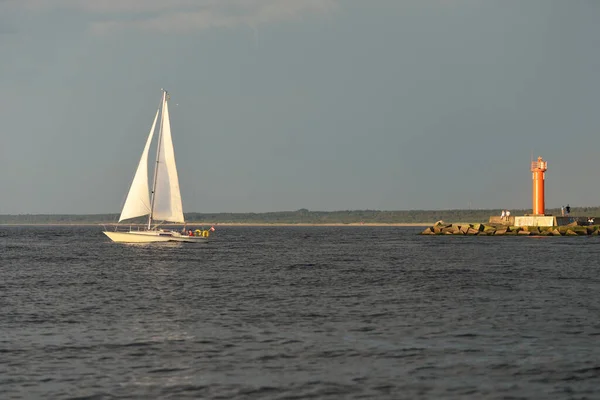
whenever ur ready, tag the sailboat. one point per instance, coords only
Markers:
(163, 203)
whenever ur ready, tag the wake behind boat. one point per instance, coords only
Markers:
(165, 204)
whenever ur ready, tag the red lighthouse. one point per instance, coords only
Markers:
(538, 170)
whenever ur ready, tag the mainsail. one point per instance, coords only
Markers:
(167, 196)
(137, 203)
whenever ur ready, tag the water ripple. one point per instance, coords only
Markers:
(298, 313)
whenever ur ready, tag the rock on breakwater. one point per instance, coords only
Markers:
(440, 228)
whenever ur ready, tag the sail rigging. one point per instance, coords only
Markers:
(165, 204)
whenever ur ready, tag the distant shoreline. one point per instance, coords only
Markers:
(301, 217)
(232, 224)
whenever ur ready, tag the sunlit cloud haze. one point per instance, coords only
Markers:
(289, 104)
(181, 15)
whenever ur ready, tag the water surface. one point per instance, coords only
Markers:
(298, 312)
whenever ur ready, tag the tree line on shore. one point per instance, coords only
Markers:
(302, 216)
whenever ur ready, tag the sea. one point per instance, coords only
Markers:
(349, 312)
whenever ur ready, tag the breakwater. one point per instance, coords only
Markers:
(573, 229)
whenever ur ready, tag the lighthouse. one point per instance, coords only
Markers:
(539, 218)
(538, 175)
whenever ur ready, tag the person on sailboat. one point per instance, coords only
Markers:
(190, 233)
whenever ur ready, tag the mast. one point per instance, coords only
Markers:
(162, 119)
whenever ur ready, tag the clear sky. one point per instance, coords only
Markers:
(288, 104)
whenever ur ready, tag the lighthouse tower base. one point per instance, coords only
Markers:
(535, 220)
(544, 220)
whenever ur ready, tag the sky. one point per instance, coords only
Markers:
(286, 104)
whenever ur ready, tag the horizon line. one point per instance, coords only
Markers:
(306, 210)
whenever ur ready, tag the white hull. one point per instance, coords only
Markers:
(152, 236)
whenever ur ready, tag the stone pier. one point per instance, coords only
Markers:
(567, 228)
